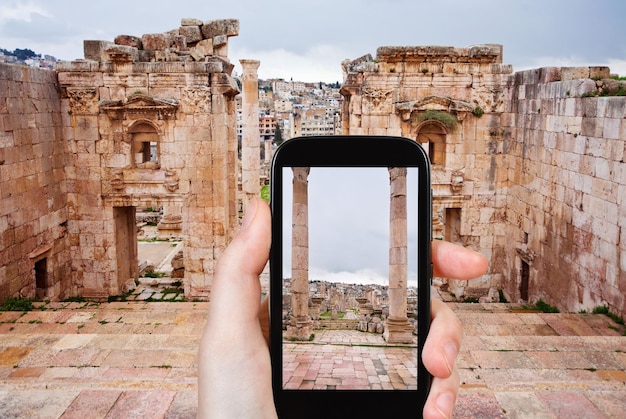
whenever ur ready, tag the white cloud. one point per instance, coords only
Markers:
(21, 11)
(318, 63)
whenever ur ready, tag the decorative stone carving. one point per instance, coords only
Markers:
(434, 103)
(196, 99)
(457, 181)
(117, 180)
(491, 100)
(376, 96)
(171, 182)
(140, 107)
(82, 100)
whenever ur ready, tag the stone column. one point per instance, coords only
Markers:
(250, 142)
(397, 327)
(268, 151)
(301, 326)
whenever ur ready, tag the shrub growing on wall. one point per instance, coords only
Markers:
(445, 118)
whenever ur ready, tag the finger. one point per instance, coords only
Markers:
(236, 290)
(443, 342)
(264, 319)
(442, 397)
(454, 261)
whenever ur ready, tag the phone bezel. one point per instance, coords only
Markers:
(349, 151)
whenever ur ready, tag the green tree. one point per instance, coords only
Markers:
(278, 135)
(24, 54)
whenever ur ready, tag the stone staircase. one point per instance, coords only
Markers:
(519, 363)
(139, 359)
(338, 324)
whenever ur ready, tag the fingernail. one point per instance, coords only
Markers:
(250, 212)
(451, 351)
(445, 404)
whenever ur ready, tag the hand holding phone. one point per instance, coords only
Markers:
(350, 275)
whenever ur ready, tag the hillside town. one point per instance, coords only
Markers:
(28, 58)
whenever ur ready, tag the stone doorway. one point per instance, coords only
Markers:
(41, 278)
(524, 280)
(452, 225)
(126, 245)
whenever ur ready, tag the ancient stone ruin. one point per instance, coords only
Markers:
(528, 167)
(141, 122)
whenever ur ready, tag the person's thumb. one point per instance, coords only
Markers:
(235, 289)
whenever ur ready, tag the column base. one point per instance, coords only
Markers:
(398, 331)
(302, 331)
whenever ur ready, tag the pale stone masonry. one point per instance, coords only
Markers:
(528, 167)
(145, 124)
(34, 237)
(565, 194)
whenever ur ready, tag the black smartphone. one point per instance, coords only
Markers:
(350, 276)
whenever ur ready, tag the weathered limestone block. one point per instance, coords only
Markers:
(220, 40)
(191, 33)
(191, 22)
(128, 40)
(81, 79)
(93, 50)
(228, 27)
(179, 42)
(120, 53)
(204, 47)
(156, 41)
(196, 54)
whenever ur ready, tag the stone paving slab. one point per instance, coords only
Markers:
(139, 359)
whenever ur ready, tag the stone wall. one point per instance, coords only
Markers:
(33, 208)
(450, 100)
(139, 122)
(151, 124)
(528, 168)
(565, 207)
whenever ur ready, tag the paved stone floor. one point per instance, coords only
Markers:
(138, 359)
(349, 360)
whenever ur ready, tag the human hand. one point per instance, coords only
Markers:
(444, 337)
(234, 378)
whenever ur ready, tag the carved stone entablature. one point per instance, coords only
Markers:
(171, 181)
(460, 108)
(457, 180)
(377, 96)
(82, 100)
(196, 99)
(140, 106)
(137, 181)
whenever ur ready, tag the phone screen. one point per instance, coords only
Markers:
(340, 248)
(350, 276)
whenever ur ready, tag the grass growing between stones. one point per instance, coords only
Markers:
(17, 304)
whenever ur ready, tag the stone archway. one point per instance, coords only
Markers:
(145, 145)
(432, 136)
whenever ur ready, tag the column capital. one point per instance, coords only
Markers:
(248, 64)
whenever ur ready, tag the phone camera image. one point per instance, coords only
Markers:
(350, 274)
(349, 303)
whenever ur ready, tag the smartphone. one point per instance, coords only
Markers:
(350, 276)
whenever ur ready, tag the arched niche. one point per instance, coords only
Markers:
(145, 142)
(432, 136)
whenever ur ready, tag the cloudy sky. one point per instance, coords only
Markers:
(349, 224)
(307, 41)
